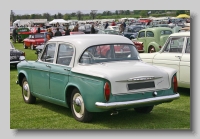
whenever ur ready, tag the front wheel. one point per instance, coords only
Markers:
(26, 92)
(78, 108)
(146, 109)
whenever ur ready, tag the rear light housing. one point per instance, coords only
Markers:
(107, 91)
(174, 84)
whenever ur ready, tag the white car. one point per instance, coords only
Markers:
(95, 73)
(174, 54)
(116, 28)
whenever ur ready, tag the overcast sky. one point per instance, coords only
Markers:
(22, 12)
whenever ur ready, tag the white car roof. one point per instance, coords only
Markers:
(181, 34)
(83, 41)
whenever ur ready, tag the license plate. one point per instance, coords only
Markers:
(143, 85)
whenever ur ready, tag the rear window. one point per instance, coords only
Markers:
(166, 32)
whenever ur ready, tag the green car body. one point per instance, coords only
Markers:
(95, 86)
(153, 38)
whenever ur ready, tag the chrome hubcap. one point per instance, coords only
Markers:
(26, 91)
(78, 105)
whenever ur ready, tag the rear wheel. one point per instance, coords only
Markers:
(26, 93)
(151, 49)
(78, 108)
(146, 109)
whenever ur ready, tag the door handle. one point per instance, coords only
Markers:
(178, 57)
(48, 66)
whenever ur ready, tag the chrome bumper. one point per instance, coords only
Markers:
(136, 103)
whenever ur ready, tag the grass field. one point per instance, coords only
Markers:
(43, 115)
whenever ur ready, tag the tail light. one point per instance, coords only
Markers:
(174, 83)
(107, 91)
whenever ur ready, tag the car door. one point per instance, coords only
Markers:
(171, 55)
(59, 72)
(40, 76)
(141, 38)
(185, 65)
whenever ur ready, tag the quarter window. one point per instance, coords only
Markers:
(48, 54)
(141, 34)
(65, 53)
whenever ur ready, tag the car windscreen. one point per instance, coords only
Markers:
(108, 53)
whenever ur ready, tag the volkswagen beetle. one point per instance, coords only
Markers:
(72, 72)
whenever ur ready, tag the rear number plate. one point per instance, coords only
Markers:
(142, 85)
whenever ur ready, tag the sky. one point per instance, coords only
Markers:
(22, 12)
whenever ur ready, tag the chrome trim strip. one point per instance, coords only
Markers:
(134, 103)
(141, 78)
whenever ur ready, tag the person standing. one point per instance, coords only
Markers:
(38, 29)
(58, 33)
(106, 25)
(15, 34)
(121, 28)
(92, 29)
(67, 31)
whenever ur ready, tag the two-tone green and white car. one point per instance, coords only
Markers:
(72, 71)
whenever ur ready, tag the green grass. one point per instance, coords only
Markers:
(44, 115)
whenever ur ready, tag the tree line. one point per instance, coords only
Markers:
(95, 15)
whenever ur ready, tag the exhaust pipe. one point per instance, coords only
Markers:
(114, 113)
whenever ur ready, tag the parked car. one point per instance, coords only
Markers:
(107, 31)
(153, 39)
(54, 29)
(23, 32)
(72, 73)
(131, 32)
(174, 54)
(34, 40)
(35, 30)
(15, 55)
(113, 28)
(85, 28)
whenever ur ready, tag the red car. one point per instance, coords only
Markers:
(34, 29)
(34, 40)
(75, 33)
(139, 46)
(54, 29)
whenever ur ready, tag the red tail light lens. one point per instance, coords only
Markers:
(107, 91)
(175, 83)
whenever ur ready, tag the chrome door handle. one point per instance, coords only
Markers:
(178, 57)
(48, 66)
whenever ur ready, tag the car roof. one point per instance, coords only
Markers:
(181, 34)
(83, 41)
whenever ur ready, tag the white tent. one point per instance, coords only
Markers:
(58, 21)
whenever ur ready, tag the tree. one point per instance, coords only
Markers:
(47, 16)
(180, 12)
(12, 16)
(104, 13)
(93, 13)
(143, 13)
(60, 16)
(116, 12)
(79, 15)
(55, 16)
(136, 11)
(73, 14)
(67, 17)
(127, 12)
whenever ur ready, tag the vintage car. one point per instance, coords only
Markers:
(107, 31)
(113, 28)
(34, 40)
(54, 29)
(23, 32)
(85, 28)
(72, 73)
(174, 54)
(131, 32)
(35, 30)
(15, 55)
(153, 39)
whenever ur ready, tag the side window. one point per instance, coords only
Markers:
(48, 54)
(130, 30)
(187, 50)
(65, 53)
(141, 34)
(149, 34)
(175, 45)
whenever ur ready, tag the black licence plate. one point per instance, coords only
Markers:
(142, 85)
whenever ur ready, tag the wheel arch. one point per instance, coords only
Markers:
(21, 75)
(155, 45)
